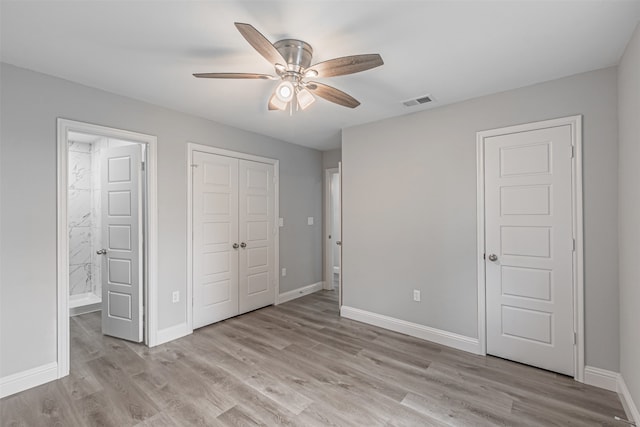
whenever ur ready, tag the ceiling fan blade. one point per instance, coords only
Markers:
(260, 43)
(332, 94)
(233, 76)
(347, 65)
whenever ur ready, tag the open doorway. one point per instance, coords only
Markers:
(333, 229)
(106, 226)
(106, 221)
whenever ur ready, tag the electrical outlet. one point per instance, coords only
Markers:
(281, 222)
(175, 297)
(416, 295)
(284, 272)
(310, 220)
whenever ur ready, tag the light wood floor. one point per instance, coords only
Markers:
(299, 364)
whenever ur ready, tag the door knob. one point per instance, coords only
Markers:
(243, 245)
(101, 252)
(339, 243)
(493, 257)
(235, 246)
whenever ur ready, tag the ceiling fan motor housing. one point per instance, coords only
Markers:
(296, 52)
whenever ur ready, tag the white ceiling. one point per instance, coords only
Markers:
(453, 50)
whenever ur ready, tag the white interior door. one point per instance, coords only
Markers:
(529, 248)
(215, 238)
(122, 302)
(340, 235)
(256, 235)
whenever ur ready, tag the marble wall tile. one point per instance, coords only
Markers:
(79, 208)
(79, 245)
(79, 171)
(79, 147)
(80, 279)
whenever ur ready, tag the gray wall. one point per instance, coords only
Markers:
(629, 214)
(331, 158)
(409, 207)
(30, 104)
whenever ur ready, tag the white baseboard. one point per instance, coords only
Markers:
(24, 380)
(602, 378)
(460, 342)
(297, 293)
(629, 405)
(171, 333)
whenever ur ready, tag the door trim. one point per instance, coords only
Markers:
(150, 288)
(191, 147)
(328, 205)
(575, 122)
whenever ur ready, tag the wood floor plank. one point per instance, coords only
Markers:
(299, 364)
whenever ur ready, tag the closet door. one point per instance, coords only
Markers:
(215, 231)
(257, 235)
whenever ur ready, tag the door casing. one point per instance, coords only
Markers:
(64, 126)
(191, 147)
(575, 122)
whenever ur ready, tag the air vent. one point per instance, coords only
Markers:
(418, 101)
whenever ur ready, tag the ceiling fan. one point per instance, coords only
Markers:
(292, 61)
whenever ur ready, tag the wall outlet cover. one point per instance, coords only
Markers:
(175, 297)
(310, 220)
(416, 295)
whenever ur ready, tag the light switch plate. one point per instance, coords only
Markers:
(281, 222)
(310, 220)
(284, 272)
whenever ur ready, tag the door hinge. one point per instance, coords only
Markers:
(573, 151)
(574, 245)
(575, 338)
(142, 166)
(484, 256)
(194, 165)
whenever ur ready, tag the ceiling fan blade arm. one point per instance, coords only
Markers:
(332, 94)
(347, 65)
(234, 76)
(260, 43)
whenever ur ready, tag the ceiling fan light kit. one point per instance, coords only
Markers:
(291, 60)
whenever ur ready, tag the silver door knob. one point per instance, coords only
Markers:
(101, 252)
(243, 245)
(235, 246)
(493, 257)
(339, 243)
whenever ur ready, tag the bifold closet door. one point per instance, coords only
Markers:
(233, 237)
(257, 235)
(215, 231)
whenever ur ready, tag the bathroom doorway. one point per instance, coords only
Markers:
(106, 206)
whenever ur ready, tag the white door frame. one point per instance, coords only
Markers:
(191, 147)
(577, 210)
(150, 289)
(328, 213)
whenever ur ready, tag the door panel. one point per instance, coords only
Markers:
(122, 234)
(256, 216)
(528, 212)
(215, 230)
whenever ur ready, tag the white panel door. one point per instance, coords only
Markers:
(529, 248)
(257, 235)
(122, 239)
(215, 238)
